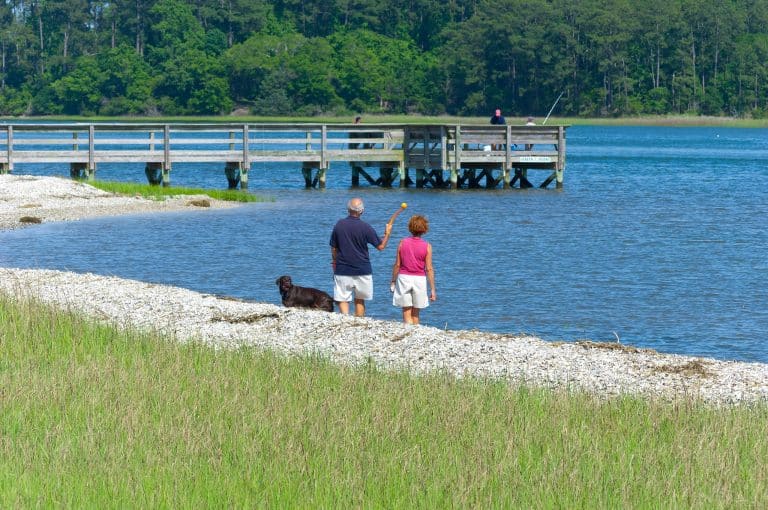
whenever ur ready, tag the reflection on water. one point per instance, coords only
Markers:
(656, 238)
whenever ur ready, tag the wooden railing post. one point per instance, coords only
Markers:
(166, 155)
(323, 146)
(323, 156)
(443, 148)
(457, 159)
(246, 166)
(91, 152)
(7, 166)
(505, 172)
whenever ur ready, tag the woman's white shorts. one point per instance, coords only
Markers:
(410, 291)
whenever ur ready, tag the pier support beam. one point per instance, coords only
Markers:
(166, 176)
(433, 177)
(548, 180)
(403, 175)
(154, 173)
(321, 173)
(318, 181)
(506, 177)
(386, 177)
(5, 168)
(157, 174)
(80, 171)
(232, 172)
(524, 182)
(490, 181)
(420, 177)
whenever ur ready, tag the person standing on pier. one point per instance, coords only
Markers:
(412, 270)
(357, 122)
(497, 120)
(529, 122)
(352, 271)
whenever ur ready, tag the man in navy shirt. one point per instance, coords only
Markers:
(497, 120)
(352, 271)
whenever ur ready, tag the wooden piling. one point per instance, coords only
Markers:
(78, 171)
(232, 173)
(154, 173)
(560, 168)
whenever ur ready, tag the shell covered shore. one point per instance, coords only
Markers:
(603, 369)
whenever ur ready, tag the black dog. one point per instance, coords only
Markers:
(303, 297)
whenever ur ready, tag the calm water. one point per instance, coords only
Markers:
(658, 237)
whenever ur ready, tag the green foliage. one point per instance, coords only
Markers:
(284, 75)
(378, 73)
(194, 83)
(15, 102)
(314, 57)
(174, 29)
(78, 91)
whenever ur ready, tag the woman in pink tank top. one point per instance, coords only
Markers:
(412, 270)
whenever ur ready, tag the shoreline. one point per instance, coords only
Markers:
(28, 200)
(669, 120)
(601, 369)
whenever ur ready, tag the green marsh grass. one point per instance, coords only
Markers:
(99, 418)
(162, 192)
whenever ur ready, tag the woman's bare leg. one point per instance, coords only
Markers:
(415, 315)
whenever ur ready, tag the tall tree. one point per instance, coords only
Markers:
(68, 27)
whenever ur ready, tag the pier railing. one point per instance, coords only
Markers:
(468, 153)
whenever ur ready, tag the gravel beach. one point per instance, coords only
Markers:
(27, 200)
(603, 369)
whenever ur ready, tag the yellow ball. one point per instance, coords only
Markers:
(403, 205)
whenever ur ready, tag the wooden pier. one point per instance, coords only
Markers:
(387, 155)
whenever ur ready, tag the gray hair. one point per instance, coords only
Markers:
(356, 205)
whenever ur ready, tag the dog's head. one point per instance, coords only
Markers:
(284, 283)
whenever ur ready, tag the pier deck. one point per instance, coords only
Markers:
(438, 156)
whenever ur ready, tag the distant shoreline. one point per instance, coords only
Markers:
(642, 120)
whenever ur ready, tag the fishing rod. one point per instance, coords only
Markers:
(553, 107)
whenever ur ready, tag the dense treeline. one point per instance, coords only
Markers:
(308, 57)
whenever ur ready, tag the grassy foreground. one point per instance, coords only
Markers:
(161, 192)
(92, 417)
